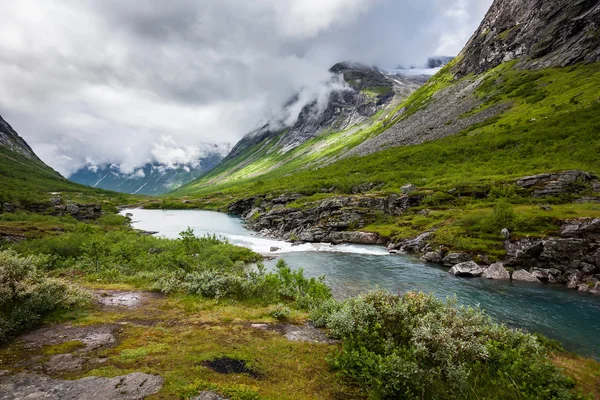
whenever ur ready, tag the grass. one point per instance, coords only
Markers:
(552, 124)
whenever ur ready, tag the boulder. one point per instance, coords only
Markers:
(274, 249)
(452, 259)
(506, 233)
(433, 257)
(524, 276)
(496, 271)
(408, 189)
(467, 269)
(72, 209)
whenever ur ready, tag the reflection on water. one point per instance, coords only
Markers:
(556, 312)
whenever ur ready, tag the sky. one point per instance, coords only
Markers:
(93, 82)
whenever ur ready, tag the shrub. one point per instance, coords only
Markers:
(27, 295)
(415, 346)
(280, 312)
(503, 216)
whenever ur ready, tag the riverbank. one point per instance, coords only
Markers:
(194, 269)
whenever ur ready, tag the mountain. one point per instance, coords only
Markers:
(23, 176)
(495, 158)
(150, 179)
(348, 109)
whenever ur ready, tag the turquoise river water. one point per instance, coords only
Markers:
(558, 313)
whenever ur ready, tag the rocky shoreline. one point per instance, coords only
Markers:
(572, 258)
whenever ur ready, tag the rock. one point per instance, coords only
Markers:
(206, 395)
(425, 212)
(574, 281)
(584, 288)
(452, 259)
(354, 237)
(128, 215)
(542, 274)
(584, 228)
(522, 275)
(566, 182)
(274, 249)
(433, 257)
(496, 271)
(135, 386)
(72, 209)
(415, 245)
(467, 269)
(408, 189)
(545, 207)
(63, 362)
(506, 233)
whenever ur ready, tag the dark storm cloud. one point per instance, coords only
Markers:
(128, 81)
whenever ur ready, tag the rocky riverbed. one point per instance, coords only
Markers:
(572, 258)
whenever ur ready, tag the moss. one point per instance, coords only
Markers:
(63, 348)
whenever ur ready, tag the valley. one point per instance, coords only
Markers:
(384, 235)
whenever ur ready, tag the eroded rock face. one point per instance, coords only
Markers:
(569, 259)
(551, 33)
(555, 184)
(135, 386)
(334, 220)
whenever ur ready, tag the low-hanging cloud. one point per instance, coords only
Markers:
(123, 82)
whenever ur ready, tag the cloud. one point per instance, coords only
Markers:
(126, 83)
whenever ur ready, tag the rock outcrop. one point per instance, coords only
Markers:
(544, 33)
(572, 259)
(134, 386)
(334, 220)
(556, 184)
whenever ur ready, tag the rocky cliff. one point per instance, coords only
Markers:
(541, 33)
(10, 140)
(535, 34)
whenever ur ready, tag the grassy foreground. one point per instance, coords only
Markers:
(409, 346)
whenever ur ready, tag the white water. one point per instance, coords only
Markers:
(554, 311)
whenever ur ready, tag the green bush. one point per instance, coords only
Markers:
(503, 216)
(416, 347)
(27, 294)
(280, 312)
(241, 283)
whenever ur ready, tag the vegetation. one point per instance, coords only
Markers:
(416, 347)
(27, 294)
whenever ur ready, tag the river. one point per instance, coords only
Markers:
(556, 312)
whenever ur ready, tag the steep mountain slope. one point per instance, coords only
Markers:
(495, 157)
(25, 181)
(151, 179)
(23, 176)
(351, 111)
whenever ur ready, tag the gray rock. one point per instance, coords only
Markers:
(557, 183)
(408, 189)
(64, 362)
(506, 233)
(522, 275)
(452, 259)
(72, 208)
(467, 269)
(574, 281)
(135, 386)
(274, 249)
(206, 395)
(433, 257)
(496, 271)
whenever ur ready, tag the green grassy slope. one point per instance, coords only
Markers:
(553, 124)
